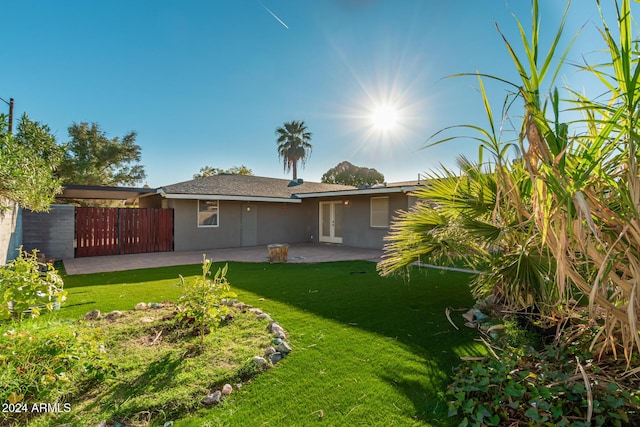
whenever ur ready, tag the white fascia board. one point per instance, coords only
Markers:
(383, 190)
(226, 197)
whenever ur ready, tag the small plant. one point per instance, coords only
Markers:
(201, 299)
(540, 388)
(25, 289)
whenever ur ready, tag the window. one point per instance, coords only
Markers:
(208, 213)
(380, 212)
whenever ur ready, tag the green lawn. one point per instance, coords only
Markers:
(366, 350)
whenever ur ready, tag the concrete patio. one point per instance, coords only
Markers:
(298, 253)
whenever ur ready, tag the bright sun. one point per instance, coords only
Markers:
(384, 117)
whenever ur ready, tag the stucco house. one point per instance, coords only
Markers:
(224, 211)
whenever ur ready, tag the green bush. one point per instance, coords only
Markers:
(26, 290)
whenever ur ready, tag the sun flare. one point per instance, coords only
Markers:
(384, 117)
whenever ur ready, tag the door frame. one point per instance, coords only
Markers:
(332, 238)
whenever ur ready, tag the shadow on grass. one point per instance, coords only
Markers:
(131, 276)
(411, 312)
(116, 400)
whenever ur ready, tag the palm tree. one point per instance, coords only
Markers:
(293, 145)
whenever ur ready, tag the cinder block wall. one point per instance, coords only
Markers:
(52, 232)
(10, 230)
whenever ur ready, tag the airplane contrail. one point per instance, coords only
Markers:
(275, 16)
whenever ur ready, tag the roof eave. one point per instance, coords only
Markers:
(227, 197)
(356, 192)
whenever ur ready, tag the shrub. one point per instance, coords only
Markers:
(201, 299)
(25, 289)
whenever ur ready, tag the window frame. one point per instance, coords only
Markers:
(378, 211)
(217, 213)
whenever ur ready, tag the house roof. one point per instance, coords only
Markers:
(247, 187)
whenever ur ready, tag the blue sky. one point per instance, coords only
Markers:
(207, 82)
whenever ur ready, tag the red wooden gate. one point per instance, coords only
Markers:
(119, 231)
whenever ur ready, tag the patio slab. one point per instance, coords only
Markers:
(298, 253)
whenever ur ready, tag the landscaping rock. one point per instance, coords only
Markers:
(255, 310)
(277, 341)
(155, 305)
(274, 327)
(468, 316)
(113, 315)
(228, 317)
(269, 350)
(227, 389)
(93, 315)
(260, 361)
(275, 357)
(264, 316)
(280, 335)
(241, 306)
(284, 348)
(213, 398)
(141, 306)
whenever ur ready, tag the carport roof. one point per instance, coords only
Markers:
(95, 192)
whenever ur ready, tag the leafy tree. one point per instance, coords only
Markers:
(28, 161)
(234, 170)
(347, 174)
(293, 145)
(90, 158)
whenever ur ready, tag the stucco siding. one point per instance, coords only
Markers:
(284, 223)
(189, 237)
(357, 230)
(280, 222)
(276, 223)
(10, 230)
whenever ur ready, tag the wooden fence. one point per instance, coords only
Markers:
(119, 231)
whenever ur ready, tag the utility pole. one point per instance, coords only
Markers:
(10, 116)
(10, 104)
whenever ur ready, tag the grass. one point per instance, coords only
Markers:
(366, 350)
